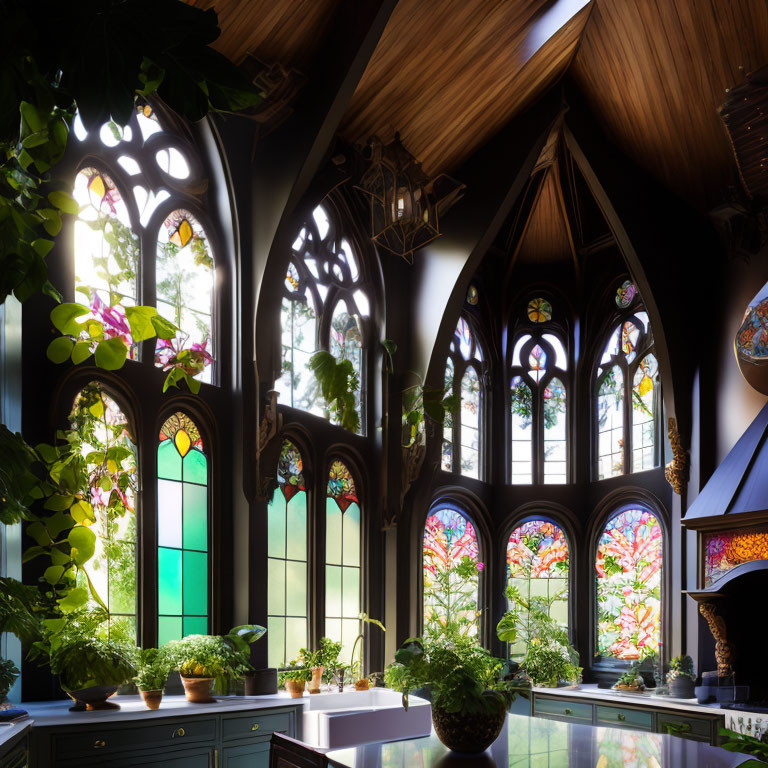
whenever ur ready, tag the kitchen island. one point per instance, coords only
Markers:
(532, 742)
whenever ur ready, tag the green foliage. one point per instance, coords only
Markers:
(734, 741)
(681, 666)
(326, 656)
(19, 484)
(297, 672)
(419, 403)
(94, 56)
(8, 674)
(338, 382)
(21, 610)
(358, 666)
(451, 596)
(629, 677)
(154, 667)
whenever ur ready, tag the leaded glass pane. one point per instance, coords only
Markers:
(537, 565)
(644, 414)
(521, 408)
(470, 424)
(628, 575)
(346, 343)
(555, 431)
(610, 424)
(450, 581)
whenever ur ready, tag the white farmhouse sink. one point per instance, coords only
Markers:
(336, 720)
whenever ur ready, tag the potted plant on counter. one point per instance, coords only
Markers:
(202, 660)
(295, 678)
(153, 673)
(321, 662)
(631, 680)
(681, 678)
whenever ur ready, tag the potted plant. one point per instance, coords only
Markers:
(295, 678)
(681, 677)
(153, 672)
(202, 660)
(469, 696)
(631, 680)
(362, 683)
(321, 662)
(8, 675)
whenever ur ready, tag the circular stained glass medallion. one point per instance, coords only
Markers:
(751, 342)
(625, 294)
(539, 310)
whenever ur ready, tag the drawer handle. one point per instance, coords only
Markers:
(255, 727)
(567, 711)
(179, 732)
(621, 717)
(99, 743)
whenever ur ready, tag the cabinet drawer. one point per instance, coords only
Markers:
(252, 756)
(575, 710)
(98, 741)
(624, 716)
(699, 728)
(258, 724)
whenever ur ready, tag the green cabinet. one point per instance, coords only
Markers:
(15, 755)
(246, 756)
(626, 717)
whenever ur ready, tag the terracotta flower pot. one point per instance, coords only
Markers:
(295, 688)
(198, 689)
(467, 733)
(152, 698)
(317, 678)
(362, 684)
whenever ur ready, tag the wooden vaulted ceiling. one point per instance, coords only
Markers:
(449, 75)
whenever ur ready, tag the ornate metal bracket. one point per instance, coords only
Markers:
(724, 651)
(676, 471)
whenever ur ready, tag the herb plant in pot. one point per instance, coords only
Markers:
(202, 660)
(153, 673)
(321, 662)
(295, 678)
(681, 678)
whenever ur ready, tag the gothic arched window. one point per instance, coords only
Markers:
(463, 427)
(287, 603)
(628, 584)
(138, 238)
(183, 564)
(627, 392)
(325, 306)
(538, 395)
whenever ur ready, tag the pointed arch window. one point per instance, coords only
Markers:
(183, 564)
(538, 563)
(287, 601)
(139, 237)
(450, 547)
(110, 455)
(343, 540)
(325, 305)
(463, 427)
(627, 392)
(538, 397)
(628, 584)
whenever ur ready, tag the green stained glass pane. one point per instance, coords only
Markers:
(332, 590)
(168, 581)
(333, 629)
(297, 525)
(195, 583)
(195, 517)
(196, 467)
(351, 525)
(276, 586)
(168, 461)
(168, 628)
(332, 532)
(195, 625)
(296, 588)
(276, 515)
(276, 639)
(295, 637)
(351, 592)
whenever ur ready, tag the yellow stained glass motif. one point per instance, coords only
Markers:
(182, 442)
(539, 310)
(183, 233)
(97, 186)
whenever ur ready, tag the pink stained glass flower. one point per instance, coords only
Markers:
(481, 566)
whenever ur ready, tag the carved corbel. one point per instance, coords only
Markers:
(676, 471)
(267, 448)
(724, 651)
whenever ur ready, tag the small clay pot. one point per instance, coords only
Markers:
(317, 678)
(363, 684)
(198, 689)
(152, 699)
(295, 688)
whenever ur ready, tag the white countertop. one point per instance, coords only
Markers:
(50, 713)
(592, 692)
(11, 731)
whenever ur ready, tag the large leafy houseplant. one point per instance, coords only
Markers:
(339, 384)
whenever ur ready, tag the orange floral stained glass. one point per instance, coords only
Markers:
(723, 551)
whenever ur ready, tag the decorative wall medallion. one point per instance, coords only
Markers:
(751, 342)
(472, 295)
(539, 310)
(625, 294)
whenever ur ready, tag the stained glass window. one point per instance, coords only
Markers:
(725, 550)
(343, 533)
(628, 396)
(462, 428)
(628, 570)
(110, 456)
(539, 310)
(182, 531)
(752, 336)
(449, 594)
(185, 286)
(537, 565)
(538, 396)
(287, 621)
(324, 306)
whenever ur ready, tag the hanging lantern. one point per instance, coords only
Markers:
(405, 203)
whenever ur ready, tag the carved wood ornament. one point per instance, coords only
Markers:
(267, 448)
(676, 471)
(724, 651)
